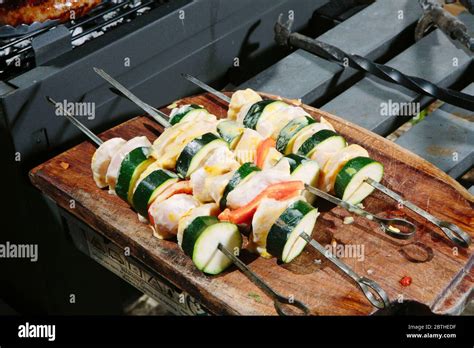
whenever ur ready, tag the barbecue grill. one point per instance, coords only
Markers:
(148, 44)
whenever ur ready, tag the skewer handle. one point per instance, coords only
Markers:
(78, 124)
(206, 87)
(385, 223)
(372, 291)
(159, 116)
(279, 300)
(452, 231)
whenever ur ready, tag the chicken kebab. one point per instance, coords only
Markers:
(202, 177)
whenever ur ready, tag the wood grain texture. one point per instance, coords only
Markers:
(435, 266)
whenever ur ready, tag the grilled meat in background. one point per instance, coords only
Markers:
(16, 12)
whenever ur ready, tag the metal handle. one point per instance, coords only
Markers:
(372, 291)
(279, 300)
(386, 224)
(452, 231)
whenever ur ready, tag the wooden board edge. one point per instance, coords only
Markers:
(191, 288)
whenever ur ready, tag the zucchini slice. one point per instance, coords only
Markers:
(288, 134)
(306, 170)
(321, 145)
(195, 152)
(283, 240)
(244, 172)
(231, 132)
(200, 241)
(350, 185)
(148, 188)
(259, 110)
(307, 132)
(132, 166)
(185, 112)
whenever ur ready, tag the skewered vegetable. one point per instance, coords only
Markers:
(150, 187)
(196, 151)
(200, 241)
(189, 113)
(288, 135)
(116, 161)
(132, 166)
(305, 170)
(335, 164)
(231, 132)
(350, 185)
(283, 240)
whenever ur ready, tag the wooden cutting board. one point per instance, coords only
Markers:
(442, 275)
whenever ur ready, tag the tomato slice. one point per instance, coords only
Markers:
(262, 151)
(279, 191)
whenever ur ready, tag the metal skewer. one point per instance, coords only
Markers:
(386, 224)
(75, 122)
(364, 283)
(159, 116)
(206, 87)
(369, 287)
(279, 300)
(452, 231)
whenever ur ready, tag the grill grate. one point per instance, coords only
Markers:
(17, 55)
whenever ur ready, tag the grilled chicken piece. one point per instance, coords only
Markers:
(335, 164)
(267, 213)
(246, 148)
(240, 99)
(207, 180)
(251, 188)
(101, 159)
(173, 140)
(166, 214)
(275, 121)
(116, 161)
(16, 12)
(210, 209)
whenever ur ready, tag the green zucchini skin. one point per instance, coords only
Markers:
(314, 140)
(239, 175)
(180, 116)
(281, 230)
(201, 240)
(231, 132)
(194, 231)
(254, 113)
(186, 156)
(290, 131)
(128, 167)
(294, 160)
(347, 173)
(146, 188)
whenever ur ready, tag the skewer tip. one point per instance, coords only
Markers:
(51, 100)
